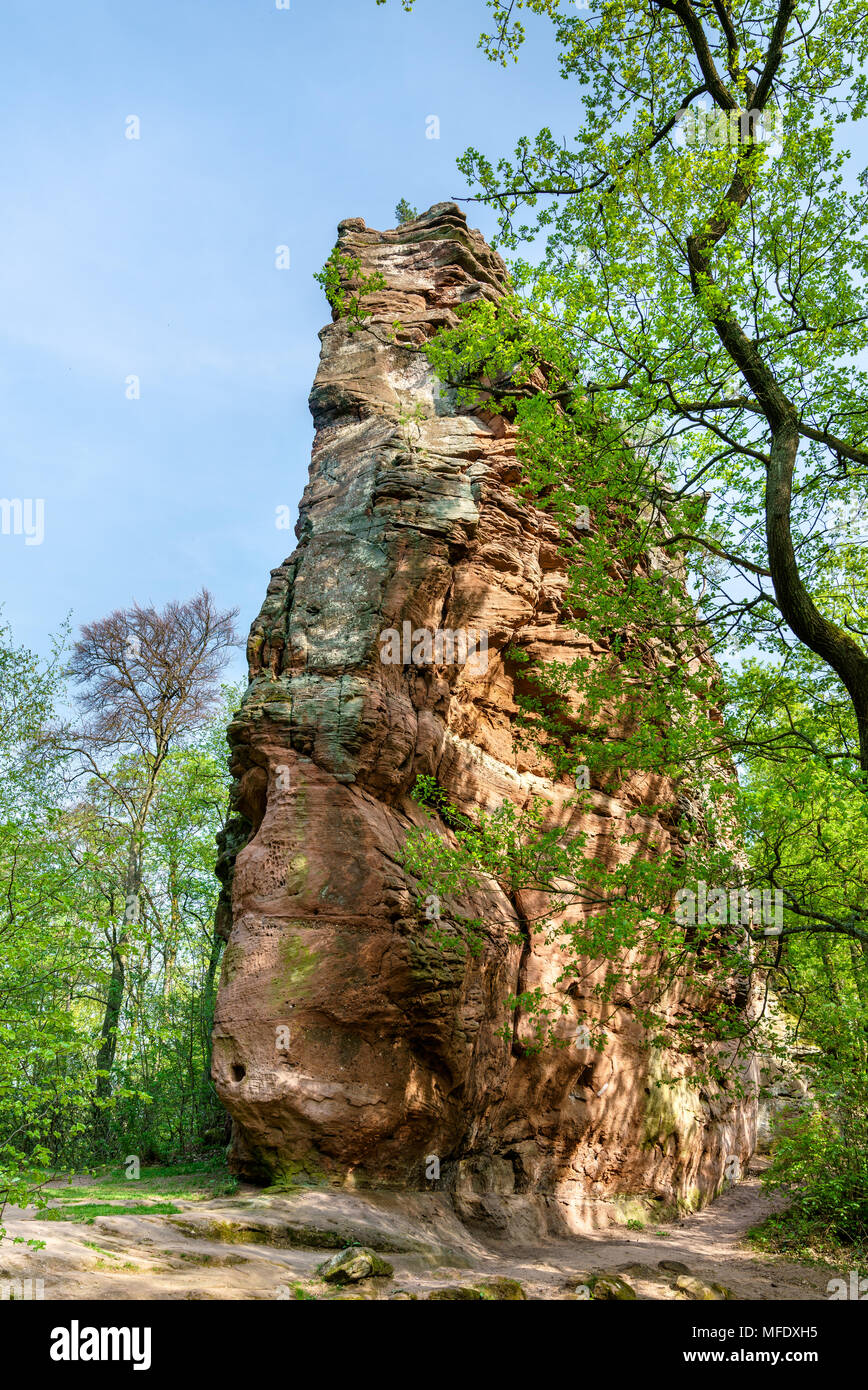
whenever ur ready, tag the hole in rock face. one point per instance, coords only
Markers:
(238, 1072)
(253, 796)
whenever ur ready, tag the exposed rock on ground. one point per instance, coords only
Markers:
(354, 1264)
(256, 1247)
(350, 1047)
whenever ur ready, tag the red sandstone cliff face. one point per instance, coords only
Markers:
(348, 1045)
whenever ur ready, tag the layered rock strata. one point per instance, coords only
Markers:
(349, 1045)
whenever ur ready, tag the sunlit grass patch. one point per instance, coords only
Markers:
(87, 1212)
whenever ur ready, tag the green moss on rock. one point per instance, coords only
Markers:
(292, 1175)
(458, 1294)
(610, 1287)
(700, 1292)
(296, 964)
(673, 1109)
(503, 1290)
(352, 1265)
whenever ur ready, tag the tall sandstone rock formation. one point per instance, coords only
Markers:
(348, 1045)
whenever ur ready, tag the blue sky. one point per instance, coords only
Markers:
(156, 258)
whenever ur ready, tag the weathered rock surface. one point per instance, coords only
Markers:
(257, 1246)
(610, 1288)
(784, 1090)
(354, 1264)
(700, 1291)
(349, 1047)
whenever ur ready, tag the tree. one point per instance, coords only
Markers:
(404, 212)
(689, 250)
(63, 862)
(167, 1102)
(146, 680)
(44, 1040)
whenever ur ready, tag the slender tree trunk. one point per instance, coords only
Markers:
(115, 996)
(826, 953)
(208, 1002)
(857, 957)
(170, 946)
(114, 1003)
(210, 975)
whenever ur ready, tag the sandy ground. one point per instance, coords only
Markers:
(265, 1247)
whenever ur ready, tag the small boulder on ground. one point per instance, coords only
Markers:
(701, 1292)
(353, 1264)
(610, 1286)
(488, 1290)
(454, 1295)
(507, 1290)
